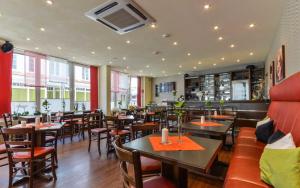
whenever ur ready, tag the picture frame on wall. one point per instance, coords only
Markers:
(280, 64)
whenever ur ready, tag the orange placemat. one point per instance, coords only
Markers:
(42, 125)
(207, 124)
(174, 145)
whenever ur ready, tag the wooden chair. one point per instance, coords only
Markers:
(172, 122)
(144, 129)
(116, 129)
(95, 130)
(82, 125)
(8, 120)
(68, 127)
(25, 157)
(135, 179)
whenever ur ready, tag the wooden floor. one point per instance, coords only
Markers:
(80, 169)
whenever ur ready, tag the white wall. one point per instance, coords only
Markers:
(168, 96)
(288, 34)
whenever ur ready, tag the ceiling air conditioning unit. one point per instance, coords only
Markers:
(122, 16)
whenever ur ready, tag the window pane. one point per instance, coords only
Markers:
(23, 97)
(82, 87)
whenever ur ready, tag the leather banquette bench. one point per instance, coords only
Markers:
(284, 109)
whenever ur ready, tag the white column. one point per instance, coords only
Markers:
(104, 91)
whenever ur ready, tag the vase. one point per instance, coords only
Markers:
(221, 110)
(209, 114)
(48, 117)
(179, 127)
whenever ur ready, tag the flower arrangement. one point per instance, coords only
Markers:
(131, 108)
(46, 105)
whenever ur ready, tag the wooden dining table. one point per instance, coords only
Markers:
(177, 164)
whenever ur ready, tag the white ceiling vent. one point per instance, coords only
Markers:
(122, 16)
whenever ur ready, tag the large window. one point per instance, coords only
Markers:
(36, 78)
(119, 90)
(23, 96)
(56, 73)
(133, 91)
(82, 87)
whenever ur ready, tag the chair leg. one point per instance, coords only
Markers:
(90, 141)
(10, 183)
(98, 142)
(53, 165)
(30, 175)
(83, 136)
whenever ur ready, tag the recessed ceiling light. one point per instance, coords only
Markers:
(216, 27)
(166, 35)
(206, 6)
(232, 45)
(251, 53)
(175, 43)
(110, 62)
(73, 57)
(214, 64)
(163, 59)
(0, 14)
(42, 29)
(127, 67)
(125, 70)
(188, 54)
(128, 41)
(163, 72)
(222, 58)
(238, 60)
(153, 25)
(93, 52)
(58, 47)
(49, 2)
(28, 39)
(199, 62)
(37, 48)
(141, 71)
(180, 66)
(179, 73)
(220, 38)
(108, 47)
(147, 66)
(195, 68)
(251, 25)
(124, 58)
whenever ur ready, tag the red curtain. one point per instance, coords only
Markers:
(139, 92)
(5, 81)
(94, 87)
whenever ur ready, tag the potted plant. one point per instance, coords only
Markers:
(46, 106)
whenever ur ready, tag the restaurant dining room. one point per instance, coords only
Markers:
(149, 94)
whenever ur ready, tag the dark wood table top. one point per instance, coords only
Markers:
(199, 161)
(209, 129)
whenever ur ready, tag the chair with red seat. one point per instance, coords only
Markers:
(26, 157)
(95, 130)
(116, 128)
(133, 158)
(68, 127)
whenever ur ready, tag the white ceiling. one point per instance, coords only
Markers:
(185, 20)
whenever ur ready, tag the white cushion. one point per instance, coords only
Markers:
(286, 142)
(263, 122)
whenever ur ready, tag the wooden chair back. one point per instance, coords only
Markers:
(23, 138)
(146, 127)
(127, 157)
(93, 120)
(7, 119)
(111, 121)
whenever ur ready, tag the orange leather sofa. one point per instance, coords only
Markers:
(284, 109)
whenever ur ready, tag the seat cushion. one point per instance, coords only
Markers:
(245, 170)
(2, 148)
(158, 182)
(251, 142)
(98, 130)
(38, 152)
(248, 152)
(119, 132)
(150, 165)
